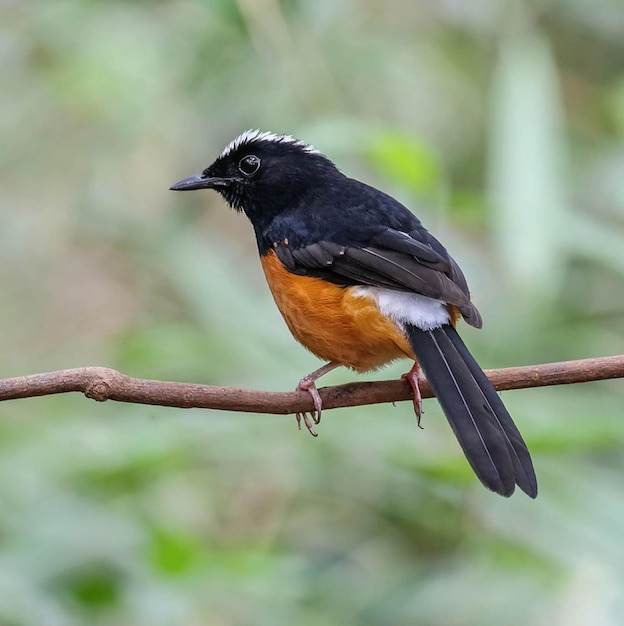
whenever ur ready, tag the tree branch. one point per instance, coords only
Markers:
(102, 383)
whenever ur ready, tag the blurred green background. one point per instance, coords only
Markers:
(500, 123)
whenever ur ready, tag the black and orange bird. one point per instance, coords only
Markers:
(360, 282)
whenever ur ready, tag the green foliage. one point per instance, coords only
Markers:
(406, 162)
(501, 124)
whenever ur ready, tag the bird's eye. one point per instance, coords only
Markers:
(249, 165)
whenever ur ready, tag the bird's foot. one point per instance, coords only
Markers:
(308, 383)
(412, 377)
(309, 417)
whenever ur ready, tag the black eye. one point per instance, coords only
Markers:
(249, 165)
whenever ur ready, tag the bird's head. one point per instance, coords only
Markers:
(264, 174)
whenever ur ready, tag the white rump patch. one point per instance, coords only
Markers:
(250, 136)
(404, 307)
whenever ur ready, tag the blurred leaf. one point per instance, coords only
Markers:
(405, 161)
(173, 553)
(93, 587)
(526, 163)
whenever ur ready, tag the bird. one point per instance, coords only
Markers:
(360, 283)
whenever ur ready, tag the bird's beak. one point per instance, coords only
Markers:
(199, 181)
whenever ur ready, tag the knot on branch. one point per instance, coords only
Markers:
(98, 391)
(101, 384)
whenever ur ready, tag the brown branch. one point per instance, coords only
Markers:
(102, 383)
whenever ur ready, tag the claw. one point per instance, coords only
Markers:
(306, 420)
(412, 377)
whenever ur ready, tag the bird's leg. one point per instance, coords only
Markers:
(308, 383)
(412, 377)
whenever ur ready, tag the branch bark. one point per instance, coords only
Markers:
(102, 383)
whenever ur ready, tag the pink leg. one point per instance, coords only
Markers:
(412, 377)
(308, 383)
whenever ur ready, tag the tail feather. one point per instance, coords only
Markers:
(525, 474)
(489, 438)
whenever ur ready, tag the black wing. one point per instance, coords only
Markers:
(384, 257)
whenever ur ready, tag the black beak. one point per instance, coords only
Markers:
(199, 181)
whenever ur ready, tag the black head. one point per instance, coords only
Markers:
(264, 174)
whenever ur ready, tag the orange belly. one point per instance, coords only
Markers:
(334, 322)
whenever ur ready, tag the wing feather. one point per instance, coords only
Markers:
(385, 258)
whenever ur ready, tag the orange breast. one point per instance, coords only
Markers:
(334, 322)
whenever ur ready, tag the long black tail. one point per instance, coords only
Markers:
(489, 438)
